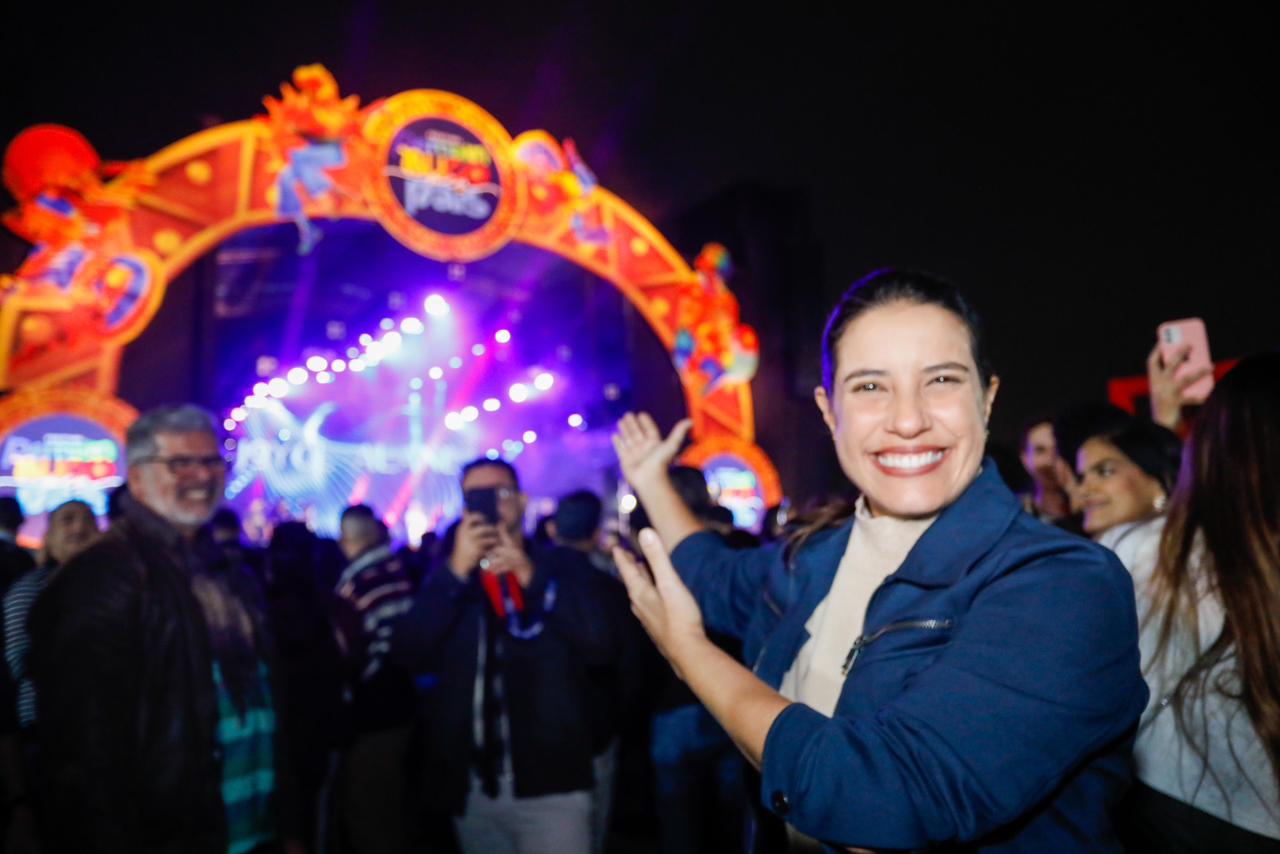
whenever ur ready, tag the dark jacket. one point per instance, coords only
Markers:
(992, 703)
(371, 594)
(545, 678)
(122, 665)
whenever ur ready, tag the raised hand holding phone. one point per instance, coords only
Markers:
(474, 539)
(1179, 370)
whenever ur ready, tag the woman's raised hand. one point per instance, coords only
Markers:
(642, 451)
(665, 607)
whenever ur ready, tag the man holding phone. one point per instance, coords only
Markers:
(512, 636)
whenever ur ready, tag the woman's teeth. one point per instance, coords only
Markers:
(907, 462)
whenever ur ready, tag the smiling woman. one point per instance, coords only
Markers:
(934, 666)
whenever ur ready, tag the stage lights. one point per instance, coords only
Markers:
(627, 503)
(435, 306)
(470, 360)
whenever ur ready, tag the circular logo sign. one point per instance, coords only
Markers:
(61, 444)
(447, 187)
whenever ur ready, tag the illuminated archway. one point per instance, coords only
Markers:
(435, 170)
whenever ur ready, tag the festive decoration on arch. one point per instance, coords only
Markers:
(438, 172)
(712, 348)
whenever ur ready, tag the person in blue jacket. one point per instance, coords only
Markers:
(932, 667)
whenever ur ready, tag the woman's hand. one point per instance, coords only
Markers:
(665, 607)
(1166, 389)
(642, 452)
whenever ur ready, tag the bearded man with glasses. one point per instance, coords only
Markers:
(152, 666)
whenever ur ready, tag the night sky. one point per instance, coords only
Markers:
(1084, 173)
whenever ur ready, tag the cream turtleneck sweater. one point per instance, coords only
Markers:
(877, 547)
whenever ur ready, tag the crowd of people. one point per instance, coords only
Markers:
(940, 662)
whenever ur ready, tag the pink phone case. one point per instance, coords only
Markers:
(1172, 335)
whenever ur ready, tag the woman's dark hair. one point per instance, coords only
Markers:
(1223, 534)
(1154, 449)
(884, 287)
(889, 286)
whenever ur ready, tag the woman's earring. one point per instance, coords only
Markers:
(1160, 502)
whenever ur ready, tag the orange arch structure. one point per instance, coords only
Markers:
(437, 171)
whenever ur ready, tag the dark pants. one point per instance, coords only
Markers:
(698, 781)
(373, 814)
(1151, 821)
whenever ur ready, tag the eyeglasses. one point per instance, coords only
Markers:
(180, 466)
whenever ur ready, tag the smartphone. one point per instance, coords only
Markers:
(1174, 334)
(482, 501)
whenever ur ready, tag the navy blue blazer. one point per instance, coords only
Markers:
(991, 700)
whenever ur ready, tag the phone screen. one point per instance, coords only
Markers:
(482, 501)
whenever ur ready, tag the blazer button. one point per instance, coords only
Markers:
(781, 805)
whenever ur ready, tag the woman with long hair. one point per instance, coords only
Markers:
(1207, 755)
(934, 668)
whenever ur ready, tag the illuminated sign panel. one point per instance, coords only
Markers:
(56, 458)
(734, 484)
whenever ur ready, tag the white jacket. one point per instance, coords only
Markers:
(1237, 786)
